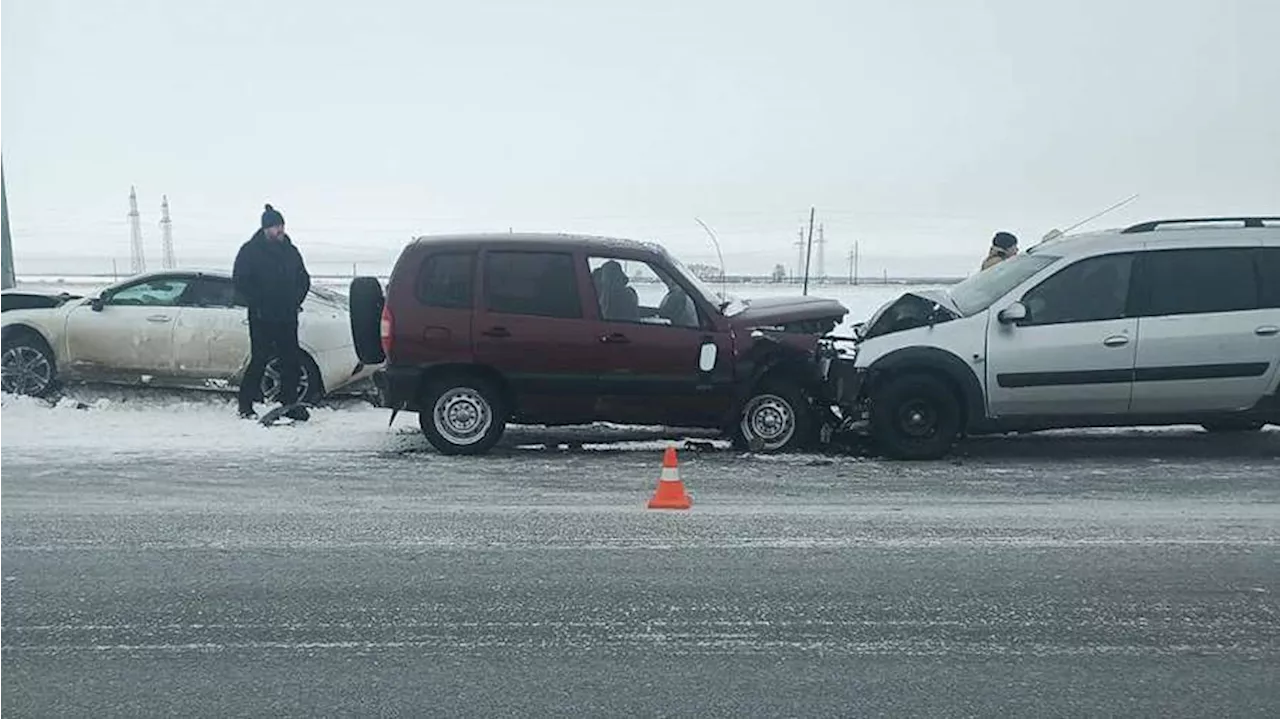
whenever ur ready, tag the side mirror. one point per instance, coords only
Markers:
(707, 357)
(96, 304)
(1013, 314)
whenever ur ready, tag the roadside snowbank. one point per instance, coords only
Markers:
(187, 426)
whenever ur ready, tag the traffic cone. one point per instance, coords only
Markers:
(670, 494)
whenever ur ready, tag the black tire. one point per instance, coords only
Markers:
(310, 383)
(462, 415)
(915, 416)
(27, 364)
(1230, 426)
(775, 418)
(364, 303)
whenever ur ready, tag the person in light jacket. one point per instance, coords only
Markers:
(1003, 246)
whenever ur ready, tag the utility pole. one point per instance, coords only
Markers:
(8, 278)
(808, 252)
(166, 234)
(822, 255)
(852, 259)
(137, 261)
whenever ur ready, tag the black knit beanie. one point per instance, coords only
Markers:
(1003, 240)
(271, 218)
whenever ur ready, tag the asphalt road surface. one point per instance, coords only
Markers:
(1048, 575)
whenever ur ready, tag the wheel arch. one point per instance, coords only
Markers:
(432, 373)
(22, 328)
(945, 365)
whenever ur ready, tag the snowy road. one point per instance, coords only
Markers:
(340, 568)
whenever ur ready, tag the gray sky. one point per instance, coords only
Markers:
(916, 127)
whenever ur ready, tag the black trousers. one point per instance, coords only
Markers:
(268, 339)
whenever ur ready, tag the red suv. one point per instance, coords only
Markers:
(478, 330)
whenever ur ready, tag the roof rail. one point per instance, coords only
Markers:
(1154, 224)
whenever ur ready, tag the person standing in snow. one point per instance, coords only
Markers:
(271, 278)
(1003, 246)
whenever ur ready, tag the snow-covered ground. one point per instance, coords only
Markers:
(97, 421)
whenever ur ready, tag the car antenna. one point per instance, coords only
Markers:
(1055, 233)
(724, 286)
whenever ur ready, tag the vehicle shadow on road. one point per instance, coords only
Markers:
(1125, 444)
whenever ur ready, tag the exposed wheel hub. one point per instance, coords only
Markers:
(918, 418)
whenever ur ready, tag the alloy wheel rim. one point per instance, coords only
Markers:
(25, 370)
(271, 381)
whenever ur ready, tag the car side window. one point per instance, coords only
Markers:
(1195, 281)
(445, 280)
(162, 292)
(1091, 290)
(1269, 277)
(209, 292)
(635, 291)
(541, 284)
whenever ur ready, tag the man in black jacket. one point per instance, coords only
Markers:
(272, 280)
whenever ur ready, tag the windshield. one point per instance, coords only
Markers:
(979, 291)
(729, 305)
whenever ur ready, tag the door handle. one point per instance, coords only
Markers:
(1116, 341)
(496, 332)
(617, 338)
(1267, 331)
(158, 318)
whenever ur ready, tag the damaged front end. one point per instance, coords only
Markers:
(838, 388)
(825, 368)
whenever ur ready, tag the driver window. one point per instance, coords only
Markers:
(207, 292)
(1090, 290)
(635, 291)
(162, 292)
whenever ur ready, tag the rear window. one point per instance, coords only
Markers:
(542, 284)
(445, 280)
(1196, 281)
(1269, 276)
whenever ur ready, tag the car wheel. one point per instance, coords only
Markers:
(27, 365)
(310, 386)
(915, 416)
(364, 304)
(1225, 426)
(775, 418)
(462, 415)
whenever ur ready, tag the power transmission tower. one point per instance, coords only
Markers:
(166, 234)
(137, 261)
(853, 264)
(800, 255)
(822, 253)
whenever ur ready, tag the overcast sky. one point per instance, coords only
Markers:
(916, 127)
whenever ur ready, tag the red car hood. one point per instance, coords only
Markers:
(771, 311)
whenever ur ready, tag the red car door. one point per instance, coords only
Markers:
(531, 328)
(662, 361)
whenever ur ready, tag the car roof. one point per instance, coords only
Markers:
(533, 240)
(1150, 235)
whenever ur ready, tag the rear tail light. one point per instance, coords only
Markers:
(386, 328)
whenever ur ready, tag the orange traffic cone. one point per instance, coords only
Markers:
(670, 494)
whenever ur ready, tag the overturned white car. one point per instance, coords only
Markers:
(170, 329)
